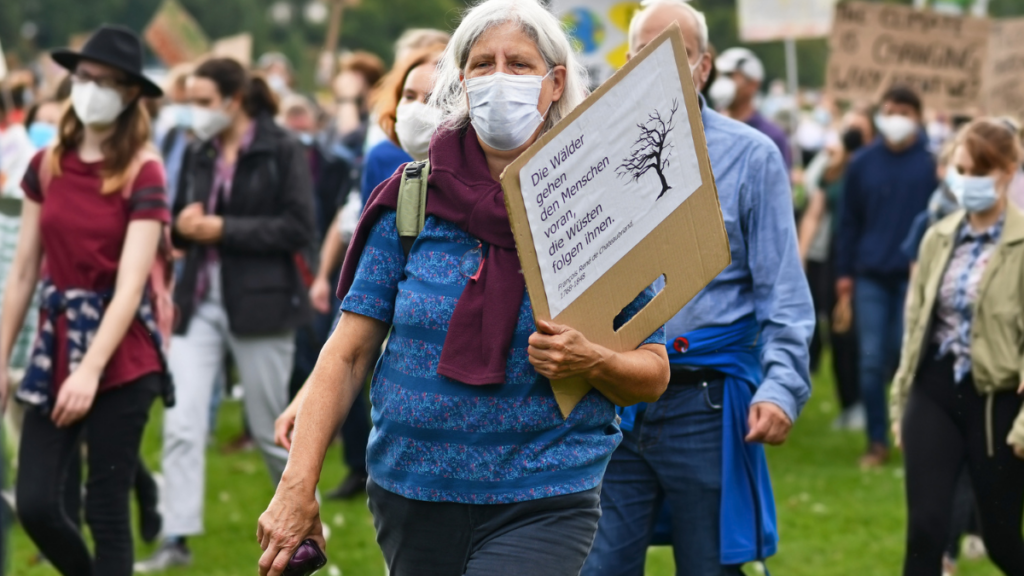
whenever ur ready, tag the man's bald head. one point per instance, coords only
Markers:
(657, 15)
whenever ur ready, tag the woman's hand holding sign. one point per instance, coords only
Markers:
(558, 352)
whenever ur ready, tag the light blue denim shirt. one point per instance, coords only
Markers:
(765, 278)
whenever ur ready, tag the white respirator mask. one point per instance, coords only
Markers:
(415, 124)
(96, 105)
(503, 108)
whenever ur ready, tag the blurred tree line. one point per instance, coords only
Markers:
(27, 26)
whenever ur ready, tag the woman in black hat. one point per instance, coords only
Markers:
(95, 207)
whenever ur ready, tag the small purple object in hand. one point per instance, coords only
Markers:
(307, 560)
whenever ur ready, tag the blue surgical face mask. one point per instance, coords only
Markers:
(503, 108)
(42, 134)
(972, 193)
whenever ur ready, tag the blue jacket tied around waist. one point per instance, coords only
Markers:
(748, 529)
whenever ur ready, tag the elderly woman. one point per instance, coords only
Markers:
(473, 470)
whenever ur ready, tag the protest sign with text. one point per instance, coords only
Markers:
(174, 35)
(876, 46)
(1004, 81)
(617, 195)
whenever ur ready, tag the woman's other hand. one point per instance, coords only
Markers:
(75, 397)
(320, 295)
(284, 425)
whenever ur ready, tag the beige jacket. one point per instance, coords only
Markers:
(997, 333)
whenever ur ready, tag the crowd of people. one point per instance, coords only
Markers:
(162, 241)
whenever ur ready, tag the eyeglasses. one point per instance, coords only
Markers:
(101, 81)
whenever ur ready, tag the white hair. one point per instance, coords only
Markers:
(538, 24)
(697, 15)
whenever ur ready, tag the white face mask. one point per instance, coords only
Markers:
(208, 123)
(278, 84)
(415, 124)
(503, 108)
(895, 128)
(95, 105)
(722, 92)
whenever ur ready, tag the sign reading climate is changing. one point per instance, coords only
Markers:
(876, 46)
(603, 184)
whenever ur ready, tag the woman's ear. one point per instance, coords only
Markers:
(558, 77)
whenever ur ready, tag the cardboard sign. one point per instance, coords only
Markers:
(600, 31)
(237, 47)
(941, 56)
(1004, 83)
(766, 20)
(615, 196)
(174, 35)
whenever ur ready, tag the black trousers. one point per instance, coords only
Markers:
(113, 433)
(822, 281)
(943, 431)
(544, 537)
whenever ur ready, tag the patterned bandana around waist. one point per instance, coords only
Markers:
(84, 311)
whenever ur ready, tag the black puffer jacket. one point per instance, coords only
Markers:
(267, 220)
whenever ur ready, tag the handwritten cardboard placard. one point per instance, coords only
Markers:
(876, 46)
(616, 195)
(174, 35)
(1004, 81)
(237, 47)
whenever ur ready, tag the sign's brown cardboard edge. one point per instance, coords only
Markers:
(621, 284)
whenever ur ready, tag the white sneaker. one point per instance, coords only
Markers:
(973, 547)
(169, 555)
(856, 418)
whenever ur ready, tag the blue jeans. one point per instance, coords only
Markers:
(878, 311)
(673, 455)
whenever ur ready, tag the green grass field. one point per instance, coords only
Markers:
(834, 519)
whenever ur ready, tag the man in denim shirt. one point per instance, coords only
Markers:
(739, 353)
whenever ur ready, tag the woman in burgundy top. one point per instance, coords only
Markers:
(94, 208)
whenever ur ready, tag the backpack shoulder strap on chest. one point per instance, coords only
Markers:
(146, 154)
(46, 169)
(412, 203)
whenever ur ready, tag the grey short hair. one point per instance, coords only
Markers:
(416, 38)
(697, 15)
(538, 23)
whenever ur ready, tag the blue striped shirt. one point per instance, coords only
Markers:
(437, 439)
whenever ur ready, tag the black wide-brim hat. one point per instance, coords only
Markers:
(115, 46)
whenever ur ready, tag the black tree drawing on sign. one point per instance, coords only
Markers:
(651, 149)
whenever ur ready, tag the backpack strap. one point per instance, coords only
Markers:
(146, 154)
(412, 203)
(46, 170)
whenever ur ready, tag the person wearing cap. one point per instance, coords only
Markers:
(739, 366)
(740, 74)
(95, 206)
(887, 185)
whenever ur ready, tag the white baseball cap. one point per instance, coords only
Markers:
(740, 60)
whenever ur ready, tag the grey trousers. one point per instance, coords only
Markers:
(264, 364)
(544, 537)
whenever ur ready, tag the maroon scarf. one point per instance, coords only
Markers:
(461, 191)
